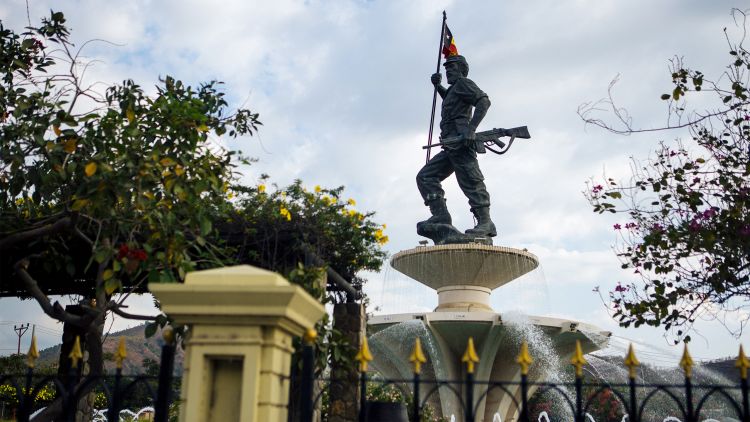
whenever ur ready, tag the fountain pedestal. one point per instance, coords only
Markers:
(463, 298)
(464, 275)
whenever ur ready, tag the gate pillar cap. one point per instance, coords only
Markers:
(239, 275)
(241, 296)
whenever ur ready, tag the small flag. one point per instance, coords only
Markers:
(449, 44)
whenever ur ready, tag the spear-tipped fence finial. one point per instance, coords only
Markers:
(76, 354)
(33, 353)
(470, 356)
(578, 360)
(742, 363)
(363, 356)
(310, 336)
(686, 363)
(631, 361)
(121, 353)
(417, 356)
(524, 358)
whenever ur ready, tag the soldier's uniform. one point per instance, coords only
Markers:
(454, 120)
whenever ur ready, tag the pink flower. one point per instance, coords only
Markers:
(620, 288)
(617, 226)
(597, 189)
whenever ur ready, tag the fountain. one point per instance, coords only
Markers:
(464, 275)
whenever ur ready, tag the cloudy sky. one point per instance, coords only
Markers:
(343, 90)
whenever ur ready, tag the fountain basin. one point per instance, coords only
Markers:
(444, 336)
(469, 264)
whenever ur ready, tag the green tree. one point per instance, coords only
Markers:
(102, 193)
(687, 232)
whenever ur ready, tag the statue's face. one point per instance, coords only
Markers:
(452, 72)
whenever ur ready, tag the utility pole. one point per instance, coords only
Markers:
(20, 331)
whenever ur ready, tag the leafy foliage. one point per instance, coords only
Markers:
(129, 174)
(102, 192)
(688, 228)
(281, 226)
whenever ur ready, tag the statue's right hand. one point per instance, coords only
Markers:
(436, 78)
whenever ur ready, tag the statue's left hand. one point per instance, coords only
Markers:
(469, 137)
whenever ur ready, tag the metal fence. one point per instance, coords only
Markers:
(636, 401)
(31, 391)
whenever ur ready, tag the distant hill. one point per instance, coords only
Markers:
(138, 349)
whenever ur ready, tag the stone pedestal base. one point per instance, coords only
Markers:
(445, 234)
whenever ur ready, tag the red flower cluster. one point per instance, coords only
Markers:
(131, 254)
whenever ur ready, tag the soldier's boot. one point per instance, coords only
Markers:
(440, 214)
(485, 226)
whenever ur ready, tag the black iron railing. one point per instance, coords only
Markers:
(637, 401)
(32, 391)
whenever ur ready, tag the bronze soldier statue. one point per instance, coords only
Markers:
(457, 120)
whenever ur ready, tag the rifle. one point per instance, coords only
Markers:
(487, 140)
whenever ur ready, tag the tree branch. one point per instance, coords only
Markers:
(55, 310)
(56, 227)
(117, 309)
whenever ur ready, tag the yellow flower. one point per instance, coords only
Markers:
(261, 188)
(317, 189)
(285, 213)
(327, 200)
(351, 202)
(380, 238)
(167, 162)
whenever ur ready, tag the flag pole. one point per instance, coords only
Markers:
(434, 93)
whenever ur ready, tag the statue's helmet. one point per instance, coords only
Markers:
(462, 64)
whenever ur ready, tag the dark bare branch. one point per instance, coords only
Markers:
(117, 309)
(55, 310)
(60, 225)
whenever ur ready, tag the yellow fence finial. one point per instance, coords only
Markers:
(310, 336)
(417, 356)
(470, 356)
(686, 363)
(578, 360)
(168, 335)
(742, 363)
(631, 361)
(524, 358)
(76, 354)
(363, 356)
(121, 353)
(33, 354)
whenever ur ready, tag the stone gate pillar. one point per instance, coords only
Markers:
(350, 319)
(241, 321)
